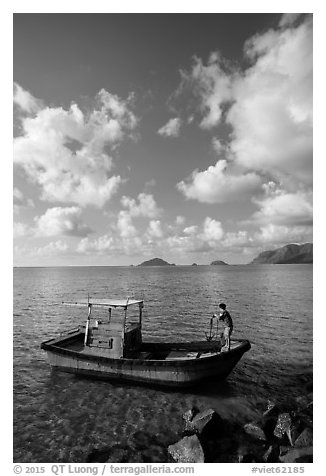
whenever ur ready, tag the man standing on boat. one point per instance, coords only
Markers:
(228, 324)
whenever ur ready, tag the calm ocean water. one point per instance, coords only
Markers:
(60, 418)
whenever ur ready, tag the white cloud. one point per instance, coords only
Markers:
(53, 248)
(171, 128)
(180, 220)
(211, 85)
(280, 234)
(18, 195)
(20, 230)
(125, 225)
(25, 100)
(215, 185)
(146, 206)
(281, 208)
(288, 19)
(217, 145)
(154, 229)
(99, 245)
(190, 230)
(237, 239)
(61, 221)
(271, 114)
(65, 151)
(126, 242)
(212, 230)
(268, 105)
(20, 202)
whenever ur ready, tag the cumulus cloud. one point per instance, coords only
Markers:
(190, 230)
(280, 234)
(212, 230)
(20, 230)
(100, 245)
(127, 243)
(280, 208)
(215, 185)
(20, 201)
(125, 226)
(180, 220)
(217, 145)
(64, 151)
(271, 115)
(18, 194)
(171, 128)
(145, 207)
(237, 239)
(25, 101)
(61, 221)
(53, 248)
(211, 87)
(267, 105)
(157, 237)
(289, 19)
(154, 229)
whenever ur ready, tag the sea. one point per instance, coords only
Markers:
(59, 417)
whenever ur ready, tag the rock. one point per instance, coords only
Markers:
(207, 423)
(248, 458)
(272, 409)
(135, 457)
(98, 455)
(283, 425)
(140, 440)
(188, 416)
(305, 418)
(304, 439)
(154, 454)
(255, 431)
(215, 450)
(296, 455)
(187, 450)
(294, 431)
(303, 401)
(268, 424)
(272, 454)
(284, 449)
(118, 455)
(227, 458)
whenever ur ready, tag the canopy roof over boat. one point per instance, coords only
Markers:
(124, 303)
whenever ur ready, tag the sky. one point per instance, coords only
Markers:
(186, 137)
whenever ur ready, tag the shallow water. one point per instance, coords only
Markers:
(60, 418)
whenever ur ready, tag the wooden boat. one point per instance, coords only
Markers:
(110, 346)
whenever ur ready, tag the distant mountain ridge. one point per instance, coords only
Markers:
(288, 254)
(155, 262)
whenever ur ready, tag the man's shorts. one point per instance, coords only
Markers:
(227, 332)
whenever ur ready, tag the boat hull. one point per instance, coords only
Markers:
(183, 372)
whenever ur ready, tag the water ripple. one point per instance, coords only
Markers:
(60, 418)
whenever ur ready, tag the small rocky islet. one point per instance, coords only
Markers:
(282, 433)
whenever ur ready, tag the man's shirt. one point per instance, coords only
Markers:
(227, 319)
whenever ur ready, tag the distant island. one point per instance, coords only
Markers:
(288, 254)
(156, 262)
(218, 263)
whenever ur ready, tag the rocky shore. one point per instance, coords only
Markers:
(282, 433)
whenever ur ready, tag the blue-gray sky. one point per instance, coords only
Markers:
(182, 136)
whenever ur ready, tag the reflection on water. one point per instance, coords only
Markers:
(59, 418)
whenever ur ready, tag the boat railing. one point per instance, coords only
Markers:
(70, 331)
